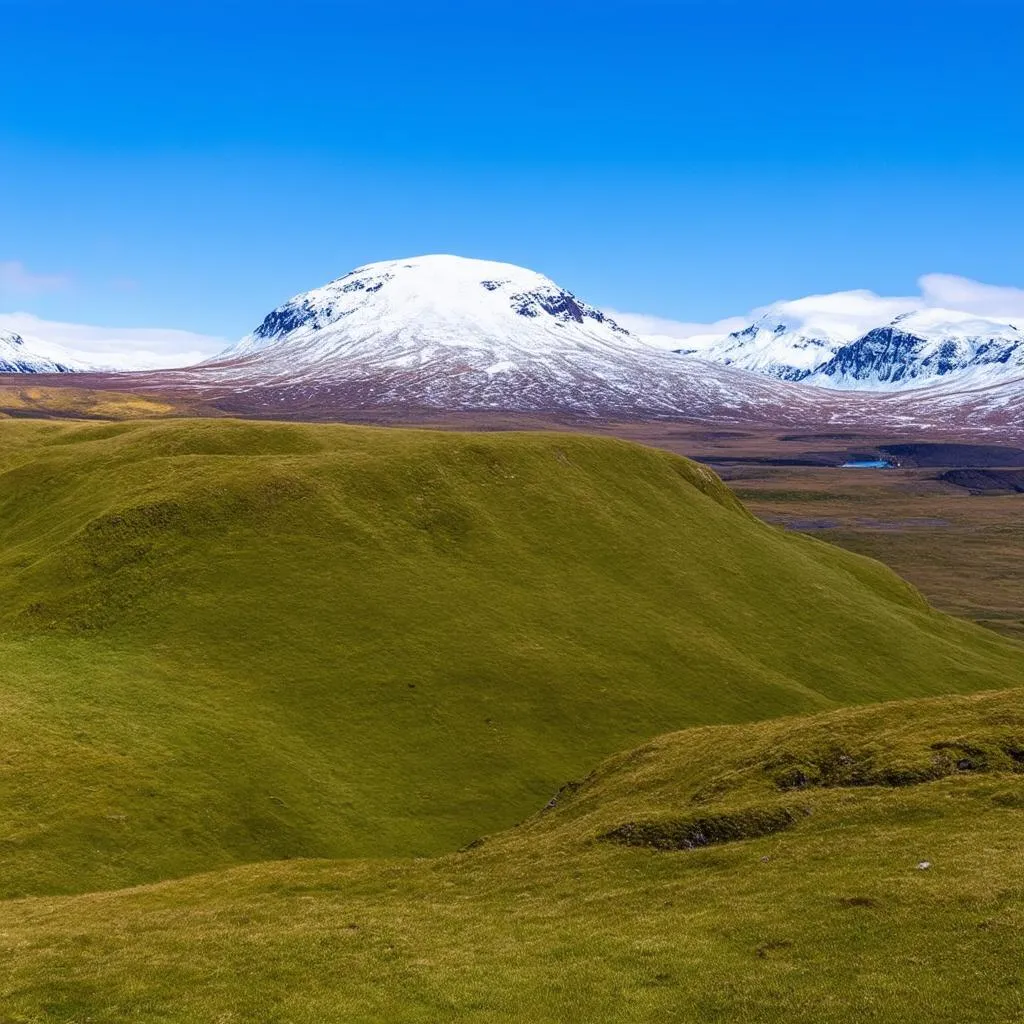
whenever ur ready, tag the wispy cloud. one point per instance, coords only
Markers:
(17, 279)
(989, 300)
(844, 315)
(122, 348)
(673, 330)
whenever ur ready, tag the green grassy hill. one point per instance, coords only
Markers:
(225, 642)
(812, 904)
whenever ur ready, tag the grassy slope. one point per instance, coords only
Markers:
(829, 920)
(227, 642)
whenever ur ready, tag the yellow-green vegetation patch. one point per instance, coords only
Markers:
(737, 782)
(81, 403)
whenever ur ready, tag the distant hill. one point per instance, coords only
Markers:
(224, 642)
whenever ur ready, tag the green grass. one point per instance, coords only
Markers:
(228, 642)
(829, 919)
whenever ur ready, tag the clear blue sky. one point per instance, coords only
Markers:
(192, 164)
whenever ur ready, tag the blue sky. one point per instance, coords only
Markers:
(191, 165)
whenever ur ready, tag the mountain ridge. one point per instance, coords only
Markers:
(445, 334)
(913, 349)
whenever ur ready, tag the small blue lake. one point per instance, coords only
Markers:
(866, 464)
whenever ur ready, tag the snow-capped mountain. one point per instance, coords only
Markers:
(20, 356)
(408, 312)
(925, 347)
(446, 332)
(914, 348)
(771, 345)
(433, 335)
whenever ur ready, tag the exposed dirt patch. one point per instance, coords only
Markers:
(857, 901)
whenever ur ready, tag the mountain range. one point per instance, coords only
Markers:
(456, 334)
(445, 333)
(449, 333)
(912, 349)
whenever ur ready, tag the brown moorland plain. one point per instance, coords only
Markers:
(57, 400)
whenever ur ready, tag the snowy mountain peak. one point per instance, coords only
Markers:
(778, 347)
(401, 307)
(922, 347)
(444, 332)
(935, 323)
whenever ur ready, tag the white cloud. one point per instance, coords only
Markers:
(841, 315)
(121, 348)
(670, 334)
(947, 291)
(17, 279)
(844, 316)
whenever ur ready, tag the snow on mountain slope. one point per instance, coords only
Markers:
(976, 400)
(445, 332)
(923, 347)
(20, 356)
(847, 348)
(791, 339)
(406, 311)
(770, 346)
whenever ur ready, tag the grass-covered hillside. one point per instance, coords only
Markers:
(861, 865)
(225, 642)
